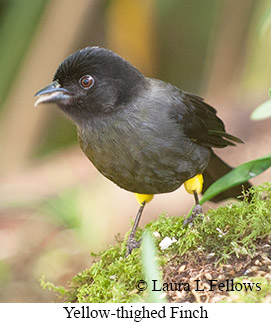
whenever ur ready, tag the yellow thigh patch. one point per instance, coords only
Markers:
(194, 184)
(141, 198)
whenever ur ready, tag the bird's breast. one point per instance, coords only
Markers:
(140, 156)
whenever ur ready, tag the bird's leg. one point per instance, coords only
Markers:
(194, 186)
(132, 243)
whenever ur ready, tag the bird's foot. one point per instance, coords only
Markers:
(197, 210)
(132, 243)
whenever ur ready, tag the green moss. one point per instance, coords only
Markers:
(232, 229)
(111, 279)
(225, 230)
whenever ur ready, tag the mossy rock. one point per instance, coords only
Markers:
(231, 244)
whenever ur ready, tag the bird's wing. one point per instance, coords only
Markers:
(201, 124)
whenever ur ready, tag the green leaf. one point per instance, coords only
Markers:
(19, 23)
(262, 112)
(150, 267)
(237, 176)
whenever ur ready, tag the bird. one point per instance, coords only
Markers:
(144, 134)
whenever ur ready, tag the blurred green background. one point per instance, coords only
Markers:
(54, 206)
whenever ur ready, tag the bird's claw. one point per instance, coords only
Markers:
(197, 210)
(132, 243)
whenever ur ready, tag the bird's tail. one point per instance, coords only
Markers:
(216, 169)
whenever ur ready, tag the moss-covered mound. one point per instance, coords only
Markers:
(229, 242)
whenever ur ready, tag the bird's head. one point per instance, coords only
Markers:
(92, 81)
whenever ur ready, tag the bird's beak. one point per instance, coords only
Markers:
(52, 93)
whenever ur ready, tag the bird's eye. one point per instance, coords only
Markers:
(86, 81)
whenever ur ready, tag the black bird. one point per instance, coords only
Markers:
(143, 134)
